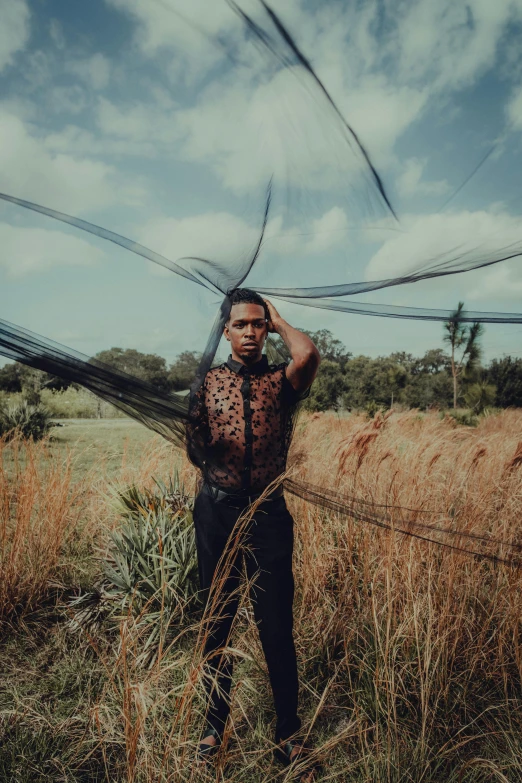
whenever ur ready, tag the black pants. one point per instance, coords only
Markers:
(268, 561)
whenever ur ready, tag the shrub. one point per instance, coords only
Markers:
(480, 396)
(466, 418)
(372, 408)
(31, 421)
(150, 572)
(74, 403)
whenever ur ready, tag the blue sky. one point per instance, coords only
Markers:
(129, 114)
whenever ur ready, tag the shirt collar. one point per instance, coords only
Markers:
(256, 369)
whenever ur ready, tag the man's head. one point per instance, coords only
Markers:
(246, 329)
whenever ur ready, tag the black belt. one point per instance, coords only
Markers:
(245, 496)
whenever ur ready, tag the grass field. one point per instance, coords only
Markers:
(410, 654)
(103, 444)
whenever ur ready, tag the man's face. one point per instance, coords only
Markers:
(246, 330)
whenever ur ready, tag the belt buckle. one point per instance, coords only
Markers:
(215, 493)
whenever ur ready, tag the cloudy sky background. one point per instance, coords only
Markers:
(160, 119)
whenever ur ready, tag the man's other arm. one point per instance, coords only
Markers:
(302, 369)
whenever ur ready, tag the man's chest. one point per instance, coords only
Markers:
(238, 398)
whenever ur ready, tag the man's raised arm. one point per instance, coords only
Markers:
(305, 357)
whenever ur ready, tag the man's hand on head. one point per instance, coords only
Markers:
(273, 317)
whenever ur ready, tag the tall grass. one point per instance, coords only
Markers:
(410, 655)
(38, 512)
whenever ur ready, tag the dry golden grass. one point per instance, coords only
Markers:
(38, 510)
(410, 654)
(46, 514)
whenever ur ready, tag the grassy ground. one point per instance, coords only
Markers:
(410, 654)
(103, 444)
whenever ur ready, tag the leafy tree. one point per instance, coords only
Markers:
(16, 377)
(182, 371)
(429, 383)
(148, 366)
(19, 378)
(10, 378)
(327, 390)
(358, 387)
(434, 361)
(428, 390)
(506, 375)
(406, 360)
(330, 348)
(32, 382)
(380, 381)
(464, 339)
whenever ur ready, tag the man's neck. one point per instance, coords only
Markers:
(248, 362)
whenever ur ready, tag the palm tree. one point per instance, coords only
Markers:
(464, 339)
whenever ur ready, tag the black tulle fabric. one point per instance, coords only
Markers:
(366, 198)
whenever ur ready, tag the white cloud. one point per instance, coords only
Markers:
(37, 69)
(164, 24)
(185, 31)
(247, 129)
(63, 181)
(250, 122)
(95, 71)
(28, 250)
(502, 282)
(451, 44)
(217, 236)
(514, 109)
(247, 133)
(147, 122)
(326, 232)
(57, 34)
(224, 238)
(146, 128)
(430, 237)
(67, 100)
(316, 236)
(410, 182)
(77, 141)
(14, 29)
(381, 111)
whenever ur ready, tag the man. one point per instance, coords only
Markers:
(244, 414)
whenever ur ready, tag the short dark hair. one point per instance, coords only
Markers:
(247, 296)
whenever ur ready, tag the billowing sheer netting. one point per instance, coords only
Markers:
(329, 173)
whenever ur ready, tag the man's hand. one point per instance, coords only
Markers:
(273, 317)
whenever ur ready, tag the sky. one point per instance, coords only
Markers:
(163, 121)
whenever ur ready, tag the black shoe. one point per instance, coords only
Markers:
(207, 752)
(285, 753)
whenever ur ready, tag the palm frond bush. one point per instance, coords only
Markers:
(480, 396)
(150, 571)
(134, 501)
(31, 421)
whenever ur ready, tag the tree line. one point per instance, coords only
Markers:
(438, 379)
(148, 367)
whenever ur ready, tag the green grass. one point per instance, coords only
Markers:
(100, 443)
